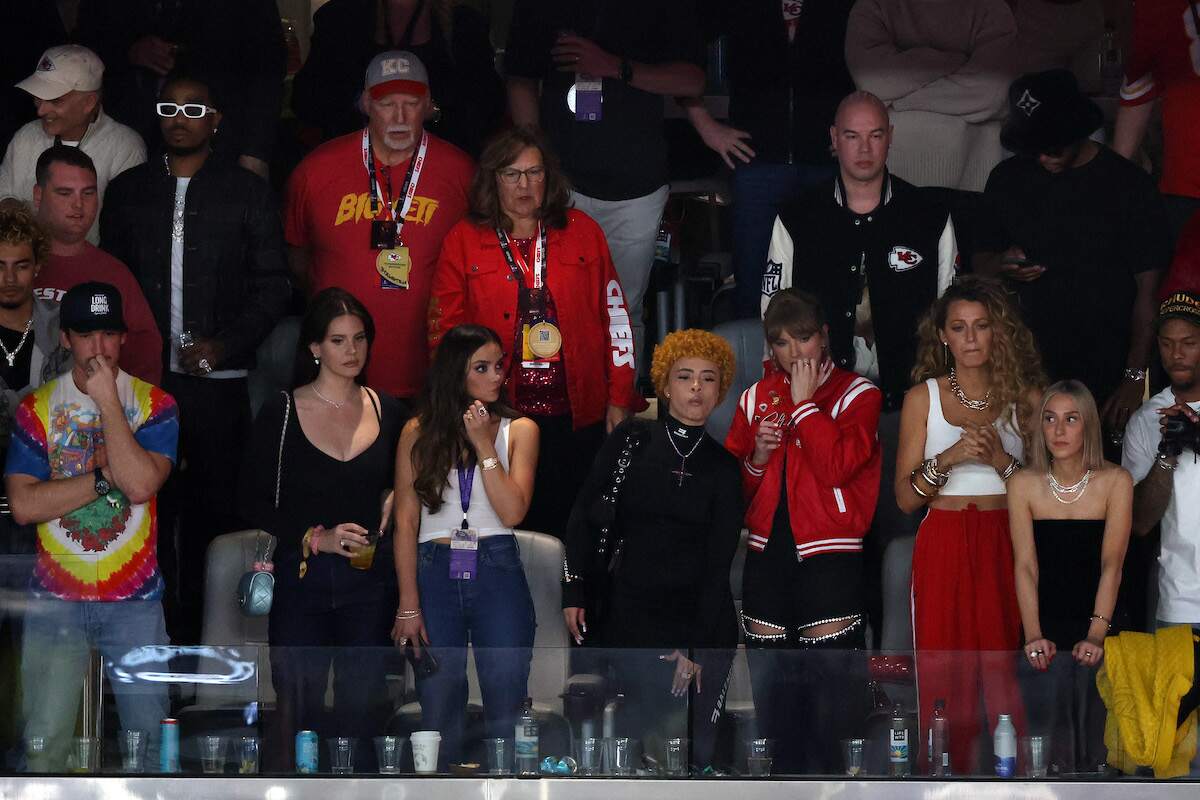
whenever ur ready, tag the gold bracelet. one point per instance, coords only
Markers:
(912, 481)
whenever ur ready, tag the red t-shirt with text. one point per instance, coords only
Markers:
(329, 213)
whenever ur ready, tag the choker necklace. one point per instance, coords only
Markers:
(11, 358)
(326, 399)
(683, 457)
(974, 405)
(1077, 488)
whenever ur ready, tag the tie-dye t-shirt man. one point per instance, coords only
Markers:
(106, 550)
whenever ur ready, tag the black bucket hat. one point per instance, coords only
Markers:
(1047, 112)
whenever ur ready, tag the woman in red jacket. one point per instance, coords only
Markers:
(524, 264)
(806, 438)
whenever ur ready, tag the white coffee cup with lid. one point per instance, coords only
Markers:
(425, 745)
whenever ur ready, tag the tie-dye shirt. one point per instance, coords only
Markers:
(107, 549)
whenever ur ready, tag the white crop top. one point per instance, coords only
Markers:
(969, 478)
(481, 516)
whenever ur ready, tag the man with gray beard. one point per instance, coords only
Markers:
(368, 212)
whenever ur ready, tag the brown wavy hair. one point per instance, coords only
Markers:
(18, 225)
(1016, 364)
(502, 150)
(441, 435)
(692, 343)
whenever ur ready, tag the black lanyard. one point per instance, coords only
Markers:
(536, 269)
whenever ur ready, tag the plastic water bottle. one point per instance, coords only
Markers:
(526, 740)
(898, 743)
(939, 742)
(1004, 746)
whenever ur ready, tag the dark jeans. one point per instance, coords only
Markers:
(1064, 705)
(199, 501)
(760, 188)
(807, 698)
(354, 639)
(494, 612)
(565, 458)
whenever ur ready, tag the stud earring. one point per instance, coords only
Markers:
(317, 360)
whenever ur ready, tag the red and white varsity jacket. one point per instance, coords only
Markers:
(833, 460)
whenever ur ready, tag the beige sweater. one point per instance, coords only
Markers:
(944, 56)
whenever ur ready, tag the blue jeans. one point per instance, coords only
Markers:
(760, 188)
(54, 662)
(494, 612)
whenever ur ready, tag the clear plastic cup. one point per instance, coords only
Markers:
(388, 751)
(341, 755)
(133, 751)
(248, 755)
(212, 754)
(85, 755)
(759, 766)
(677, 756)
(854, 755)
(499, 754)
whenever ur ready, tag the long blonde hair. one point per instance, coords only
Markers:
(1093, 447)
(1016, 364)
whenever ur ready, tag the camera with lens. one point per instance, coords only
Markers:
(1179, 432)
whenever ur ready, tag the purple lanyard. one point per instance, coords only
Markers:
(466, 479)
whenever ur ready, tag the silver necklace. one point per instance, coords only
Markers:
(974, 405)
(1077, 488)
(11, 358)
(333, 403)
(683, 457)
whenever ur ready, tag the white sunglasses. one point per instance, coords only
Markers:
(190, 110)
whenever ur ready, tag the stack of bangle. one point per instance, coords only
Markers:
(1011, 469)
(1163, 461)
(928, 470)
(408, 614)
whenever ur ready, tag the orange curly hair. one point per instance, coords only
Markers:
(692, 343)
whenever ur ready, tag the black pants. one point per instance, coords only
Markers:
(307, 640)
(565, 458)
(199, 501)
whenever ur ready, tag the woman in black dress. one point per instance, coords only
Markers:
(1069, 517)
(325, 494)
(649, 546)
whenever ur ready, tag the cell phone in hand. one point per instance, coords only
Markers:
(423, 666)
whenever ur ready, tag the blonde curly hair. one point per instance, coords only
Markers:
(1016, 363)
(692, 343)
(19, 226)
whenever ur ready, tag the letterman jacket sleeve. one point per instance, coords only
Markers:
(727, 512)
(778, 272)
(447, 299)
(947, 257)
(620, 367)
(740, 442)
(840, 443)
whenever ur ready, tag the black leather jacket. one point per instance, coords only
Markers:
(235, 277)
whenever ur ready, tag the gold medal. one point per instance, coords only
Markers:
(545, 340)
(394, 265)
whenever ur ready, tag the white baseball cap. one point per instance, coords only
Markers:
(62, 69)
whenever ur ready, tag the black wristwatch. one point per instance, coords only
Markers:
(103, 487)
(626, 71)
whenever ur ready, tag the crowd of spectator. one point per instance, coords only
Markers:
(980, 326)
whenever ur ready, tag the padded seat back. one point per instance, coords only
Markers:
(745, 336)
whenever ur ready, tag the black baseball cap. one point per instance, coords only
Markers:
(92, 306)
(1180, 305)
(1047, 112)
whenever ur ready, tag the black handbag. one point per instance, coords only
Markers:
(611, 540)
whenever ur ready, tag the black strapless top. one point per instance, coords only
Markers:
(1068, 554)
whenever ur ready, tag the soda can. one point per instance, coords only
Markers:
(306, 752)
(168, 751)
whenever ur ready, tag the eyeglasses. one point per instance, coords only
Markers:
(513, 176)
(190, 110)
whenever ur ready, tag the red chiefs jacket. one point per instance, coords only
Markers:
(473, 284)
(833, 461)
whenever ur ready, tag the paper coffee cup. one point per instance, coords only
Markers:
(425, 750)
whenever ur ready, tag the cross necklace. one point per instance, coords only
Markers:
(11, 357)
(683, 457)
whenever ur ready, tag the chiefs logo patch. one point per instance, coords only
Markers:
(903, 258)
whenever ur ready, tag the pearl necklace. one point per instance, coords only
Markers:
(11, 358)
(333, 403)
(1077, 488)
(974, 405)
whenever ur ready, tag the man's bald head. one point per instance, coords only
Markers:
(857, 100)
(861, 135)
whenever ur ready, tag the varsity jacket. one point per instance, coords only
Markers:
(473, 283)
(904, 251)
(832, 461)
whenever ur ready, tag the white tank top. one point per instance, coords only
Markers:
(481, 516)
(970, 478)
